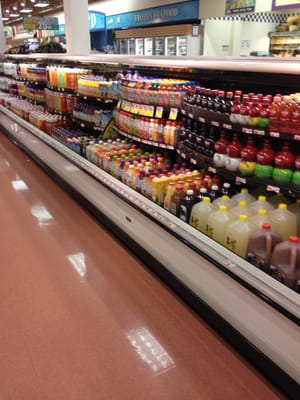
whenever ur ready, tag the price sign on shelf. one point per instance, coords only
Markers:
(173, 114)
(159, 112)
(271, 188)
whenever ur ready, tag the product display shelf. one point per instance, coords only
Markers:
(195, 260)
(262, 313)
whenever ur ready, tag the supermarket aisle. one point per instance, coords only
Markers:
(82, 319)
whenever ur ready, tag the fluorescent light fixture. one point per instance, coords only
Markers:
(41, 4)
(26, 10)
(23, 4)
(14, 15)
(15, 8)
(5, 19)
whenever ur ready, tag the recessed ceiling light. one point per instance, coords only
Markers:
(26, 10)
(15, 7)
(41, 4)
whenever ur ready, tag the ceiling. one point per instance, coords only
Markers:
(13, 7)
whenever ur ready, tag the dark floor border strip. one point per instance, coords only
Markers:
(259, 360)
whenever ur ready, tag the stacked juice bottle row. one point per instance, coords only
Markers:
(59, 101)
(277, 113)
(63, 77)
(92, 113)
(32, 73)
(97, 86)
(147, 90)
(154, 129)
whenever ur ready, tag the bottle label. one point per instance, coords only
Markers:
(256, 260)
(173, 208)
(183, 213)
(230, 243)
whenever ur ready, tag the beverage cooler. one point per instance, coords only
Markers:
(253, 311)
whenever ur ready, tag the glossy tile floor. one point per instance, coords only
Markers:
(82, 319)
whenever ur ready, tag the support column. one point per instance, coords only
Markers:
(77, 27)
(2, 36)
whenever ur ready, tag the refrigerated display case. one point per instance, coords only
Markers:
(171, 45)
(123, 46)
(131, 47)
(181, 46)
(148, 46)
(139, 45)
(159, 46)
(253, 311)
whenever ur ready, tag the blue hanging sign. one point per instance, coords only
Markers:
(96, 23)
(177, 12)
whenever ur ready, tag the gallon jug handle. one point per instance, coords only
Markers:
(293, 260)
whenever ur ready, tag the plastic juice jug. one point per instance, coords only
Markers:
(241, 209)
(200, 213)
(225, 201)
(186, 205)
(237, 236)
(243, 195)
(285, 262)
(283, 221)
(278, 198)
(261, 245)
(295, 209)
(257, 220)
(217, 223)
(261, 203)
(176, 200)
(170, 190)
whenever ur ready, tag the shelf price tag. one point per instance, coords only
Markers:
(296, 137)
(247, 130)
(193, 161)
(201, 119)
(227, 126)
(274, 134)
(259, 132)
(215, 123)
(212, 169)
(159, 112)
(271, 188)
(229, 264)
(190, 115)
(183, 155)
(240, 179)
(173, 114)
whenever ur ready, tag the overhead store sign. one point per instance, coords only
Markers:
(185, 11)
(43, 23)
(284, 4)
(96, 20)
(239, 6)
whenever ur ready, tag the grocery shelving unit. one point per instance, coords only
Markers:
(254, 312)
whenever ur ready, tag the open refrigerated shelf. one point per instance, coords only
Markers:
(254, 312)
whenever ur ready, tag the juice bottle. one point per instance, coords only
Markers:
(295, 209)
(225, 201)
(283, 221)
(237, 236)
(243, 195)
(257, 220)
(200, 213)
(285, 117)
(170, 191)
(176, 200)
(241, 209)
(261, 245)
(217, 223)
(285, 262)
(275, 114)
(186, 205)
(261, 203)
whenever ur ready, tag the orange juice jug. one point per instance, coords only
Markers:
(167, 200)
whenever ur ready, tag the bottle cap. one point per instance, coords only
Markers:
(266, 226)
(225, 197)
(244, 190)
(223, 208)
(262, 198)
(243, 203)
(243, 217)
(190, 192)
(262, 211)
(206, 199)
(293, 239)
(282, 206)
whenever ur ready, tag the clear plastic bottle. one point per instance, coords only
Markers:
(283, 221)
(237, 236)
(261, 203)
(241, 209)
(217, 223)
(200, 213)
(243, 195)
(225, 201)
